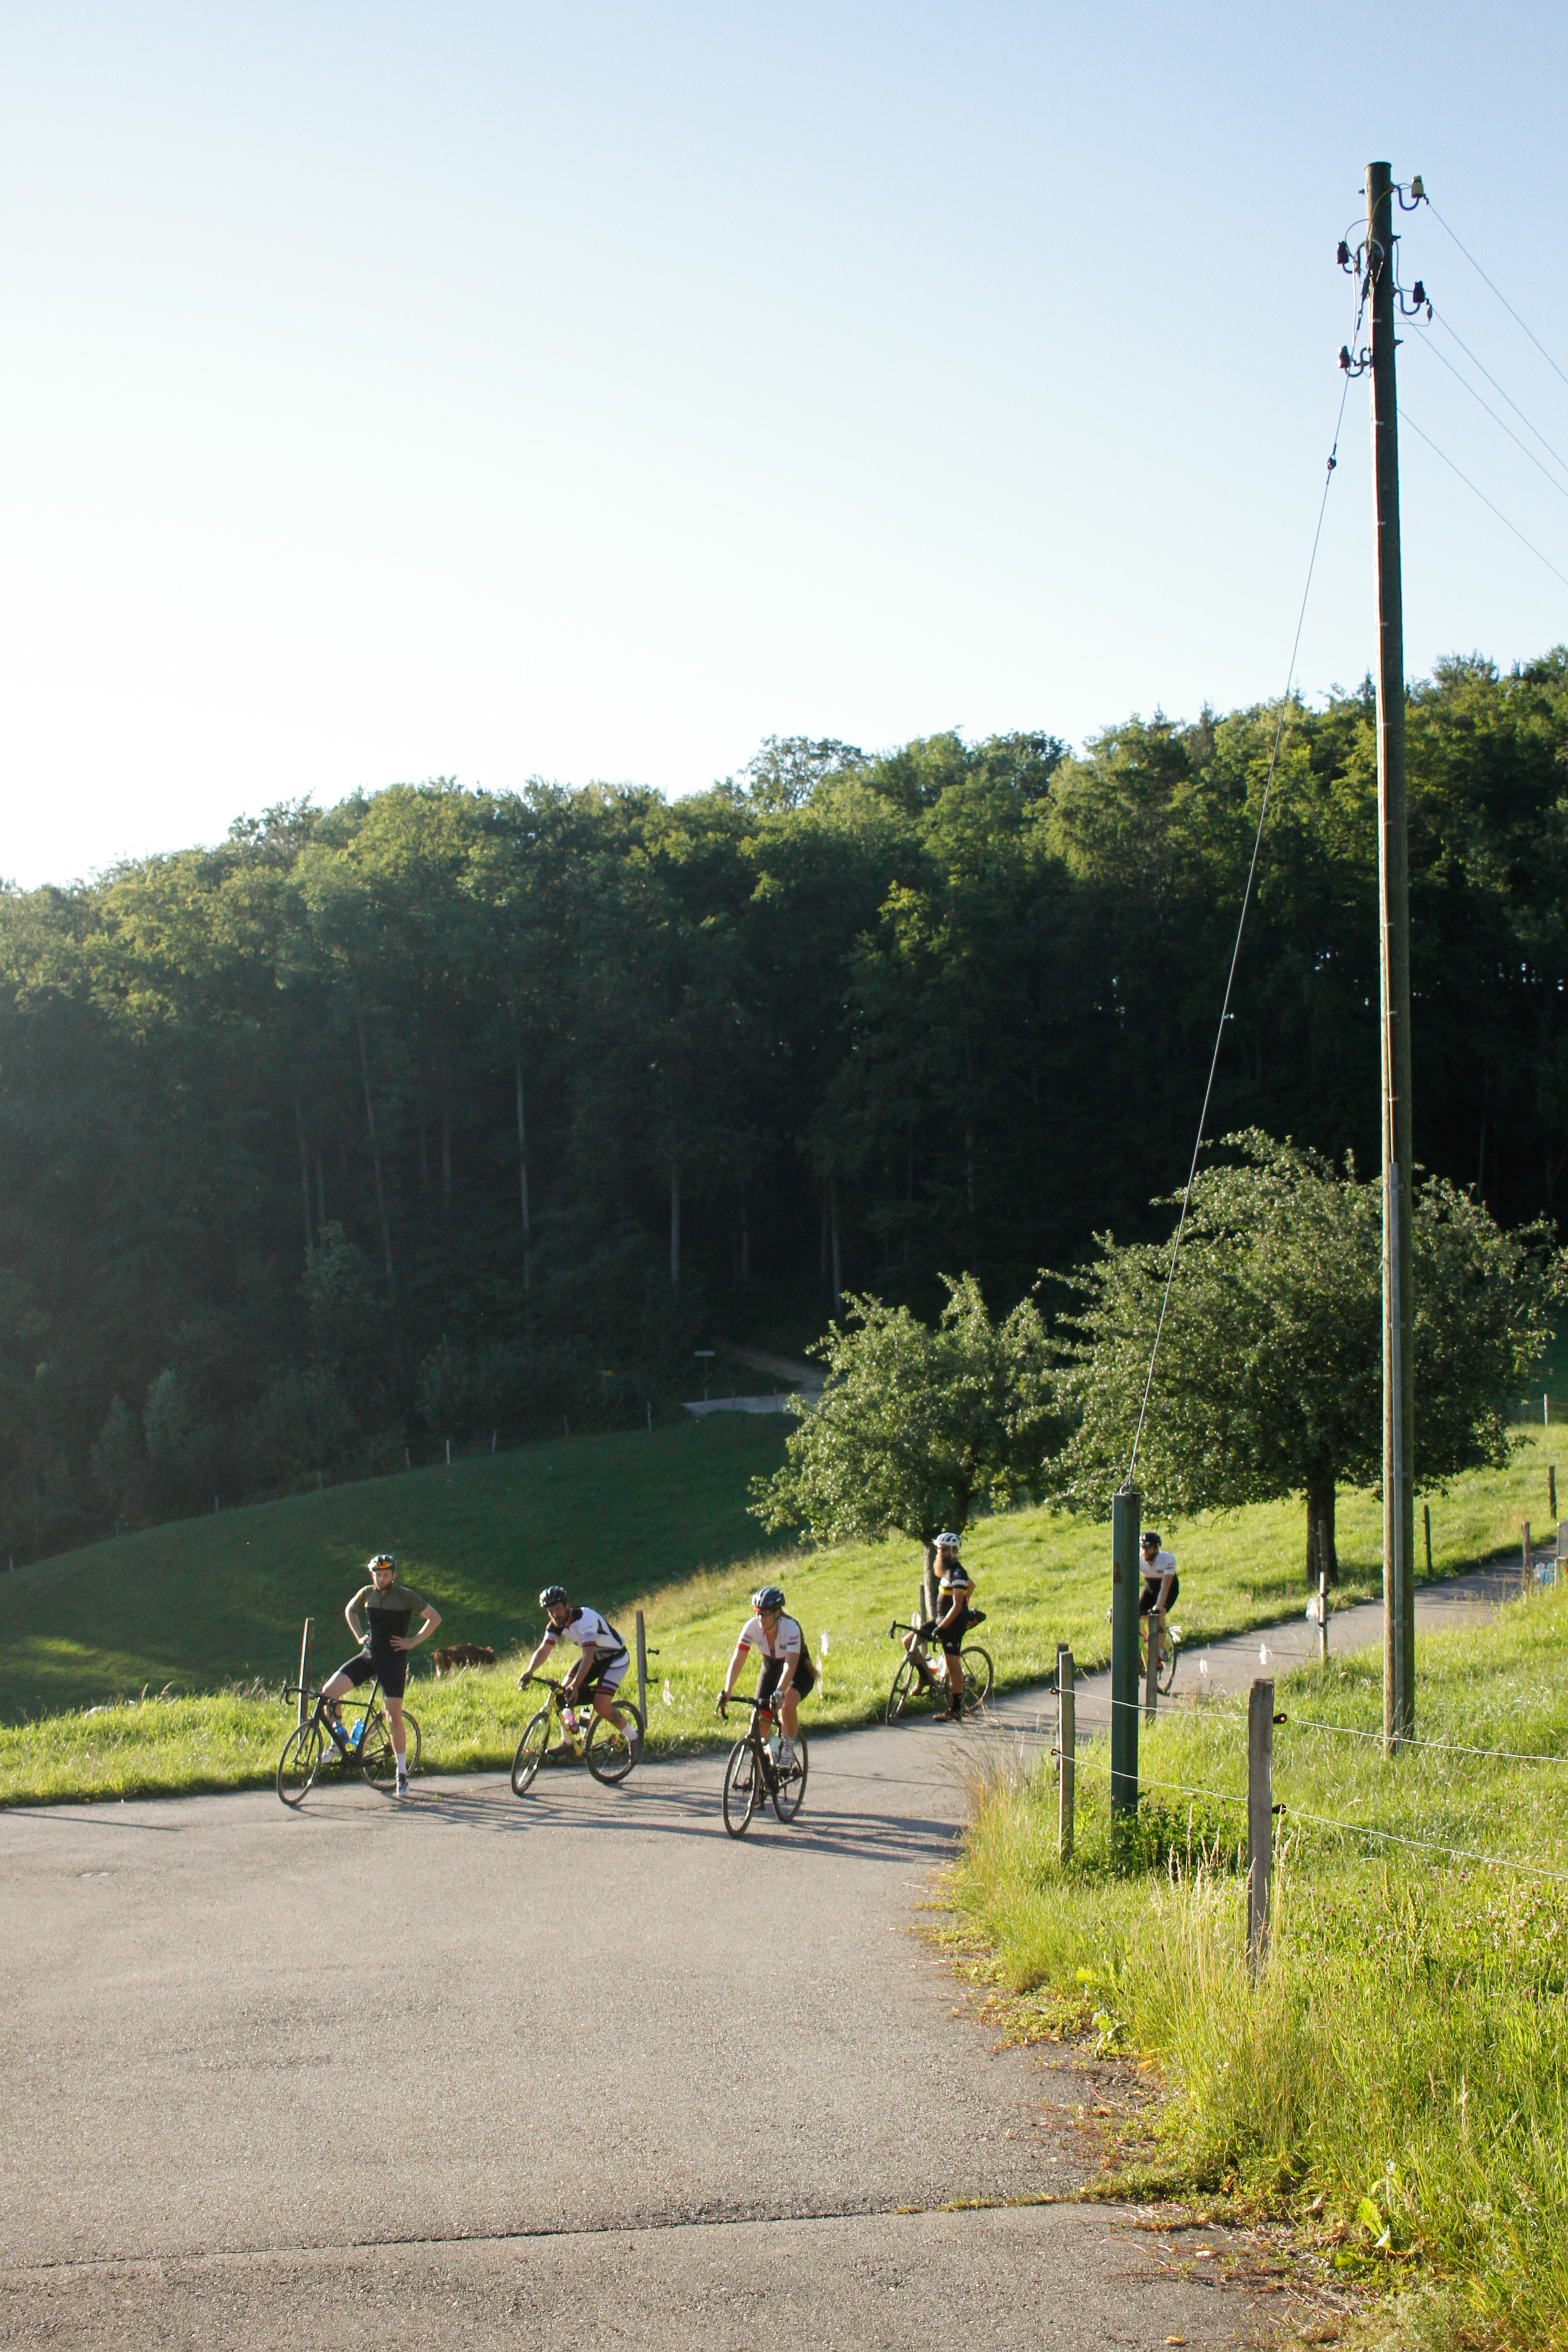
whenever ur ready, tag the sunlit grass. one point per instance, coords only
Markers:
(1404, 2055)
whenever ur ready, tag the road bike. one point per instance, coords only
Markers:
(753, 1773)
(1170, 1651)
(366, 1745)
(911, 1680)
(605, 1746)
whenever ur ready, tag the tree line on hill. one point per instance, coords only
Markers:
(444, 1114)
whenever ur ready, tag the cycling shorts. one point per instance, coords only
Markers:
(1151, 1593)
(391, 1666)
(804, 1684)
(607, 1677)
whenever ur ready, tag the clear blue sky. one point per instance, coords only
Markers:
(592, 391)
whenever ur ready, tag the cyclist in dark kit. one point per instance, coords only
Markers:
(384, 1642)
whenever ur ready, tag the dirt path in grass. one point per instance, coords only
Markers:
(471, 2072)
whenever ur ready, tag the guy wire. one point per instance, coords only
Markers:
(1242, 921)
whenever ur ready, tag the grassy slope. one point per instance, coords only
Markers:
(1422, 2098)
(219, 1602)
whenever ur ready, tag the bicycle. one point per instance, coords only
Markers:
(751, 1776)
(605, 1746)
(1170, 1649)
(978, 1673)
(368, 1747)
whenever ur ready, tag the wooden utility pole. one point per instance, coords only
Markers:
(1393, 967)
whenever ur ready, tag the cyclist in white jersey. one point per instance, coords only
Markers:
(788, 1675)
(602, 1669)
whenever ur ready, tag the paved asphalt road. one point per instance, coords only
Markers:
(471, 2072)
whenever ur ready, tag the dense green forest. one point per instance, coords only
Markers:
(444, 1114)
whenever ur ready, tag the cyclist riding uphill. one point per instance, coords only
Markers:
(1161, 1583)
(788, 1675)
(384, 1642)
(954, 1596)
(602, 1669)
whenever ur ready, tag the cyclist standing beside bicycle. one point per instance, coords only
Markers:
(384, 1642)
(602, 1669)
(955, 1615)
(1161, 1584)
(788, 1675)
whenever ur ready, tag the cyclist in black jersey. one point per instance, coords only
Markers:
(602, 1669)
(384, 1642)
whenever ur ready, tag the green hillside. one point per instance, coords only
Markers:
(213, 1601)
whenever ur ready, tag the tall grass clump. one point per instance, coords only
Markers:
(1399, 2070)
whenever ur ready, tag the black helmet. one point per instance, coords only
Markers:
(554, 1596)
(770, 1596)
(1149, 1537)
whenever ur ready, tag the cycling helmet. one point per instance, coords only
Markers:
(948, 1542)
(770, 1596)
(1149, 1537)
(380, 1560)
(554, 1596)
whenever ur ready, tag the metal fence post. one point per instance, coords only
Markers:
(1126, 1583)
(1067, 1744)
(1323, 1616)
(641, 1669)
(1259, 1820)
(305, 1666)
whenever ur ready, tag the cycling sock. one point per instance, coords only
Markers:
(400, 1755)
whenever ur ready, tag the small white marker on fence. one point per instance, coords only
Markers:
(1203, 1678)
(669, 1694)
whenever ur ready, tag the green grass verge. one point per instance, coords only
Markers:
(218, 1602)
(1404, 2058)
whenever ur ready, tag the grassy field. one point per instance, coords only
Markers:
(205, 1614)
(1398, 2078)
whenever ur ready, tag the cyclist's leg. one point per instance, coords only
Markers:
(348, 1676)
(394, 1682)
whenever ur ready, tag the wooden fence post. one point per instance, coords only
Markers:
(1067, 1745)
(1155, 1645)
(1552, 1490)
(1259, 1820)
(305, 1666)
(642, 1670)
(1524, 1563)
(1323, 1616)
(1426, 1522)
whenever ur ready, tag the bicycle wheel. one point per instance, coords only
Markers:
(609, 1749)
(299, 1763)
(742, 1787)
(377, 1759)
(530, 1752)
(1168, 1664)
(902, 1691)
(790, 1787)
(977, 1675)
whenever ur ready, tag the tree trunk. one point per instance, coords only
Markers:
(674, 1224)
(1320, 1552)
(304, 1175)
(833, 1221)
(523, 1182)
(929, 1602)
(376, 1158)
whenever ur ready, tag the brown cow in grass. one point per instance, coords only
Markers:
(462, 1653)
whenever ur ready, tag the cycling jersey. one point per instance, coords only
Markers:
(589, 1626)
(955, 1581)
(386, 1614)
(788, 1642)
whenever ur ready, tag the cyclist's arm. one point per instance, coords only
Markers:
(352, 1623)
(427, 1625)
(736, 1665)
(957, 1603)
(540, 1655)
(1166, 1580)
(584, 1669)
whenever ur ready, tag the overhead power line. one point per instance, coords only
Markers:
(1562, 488)
(1501, 297)
(1405, 419)
(1497, 387)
